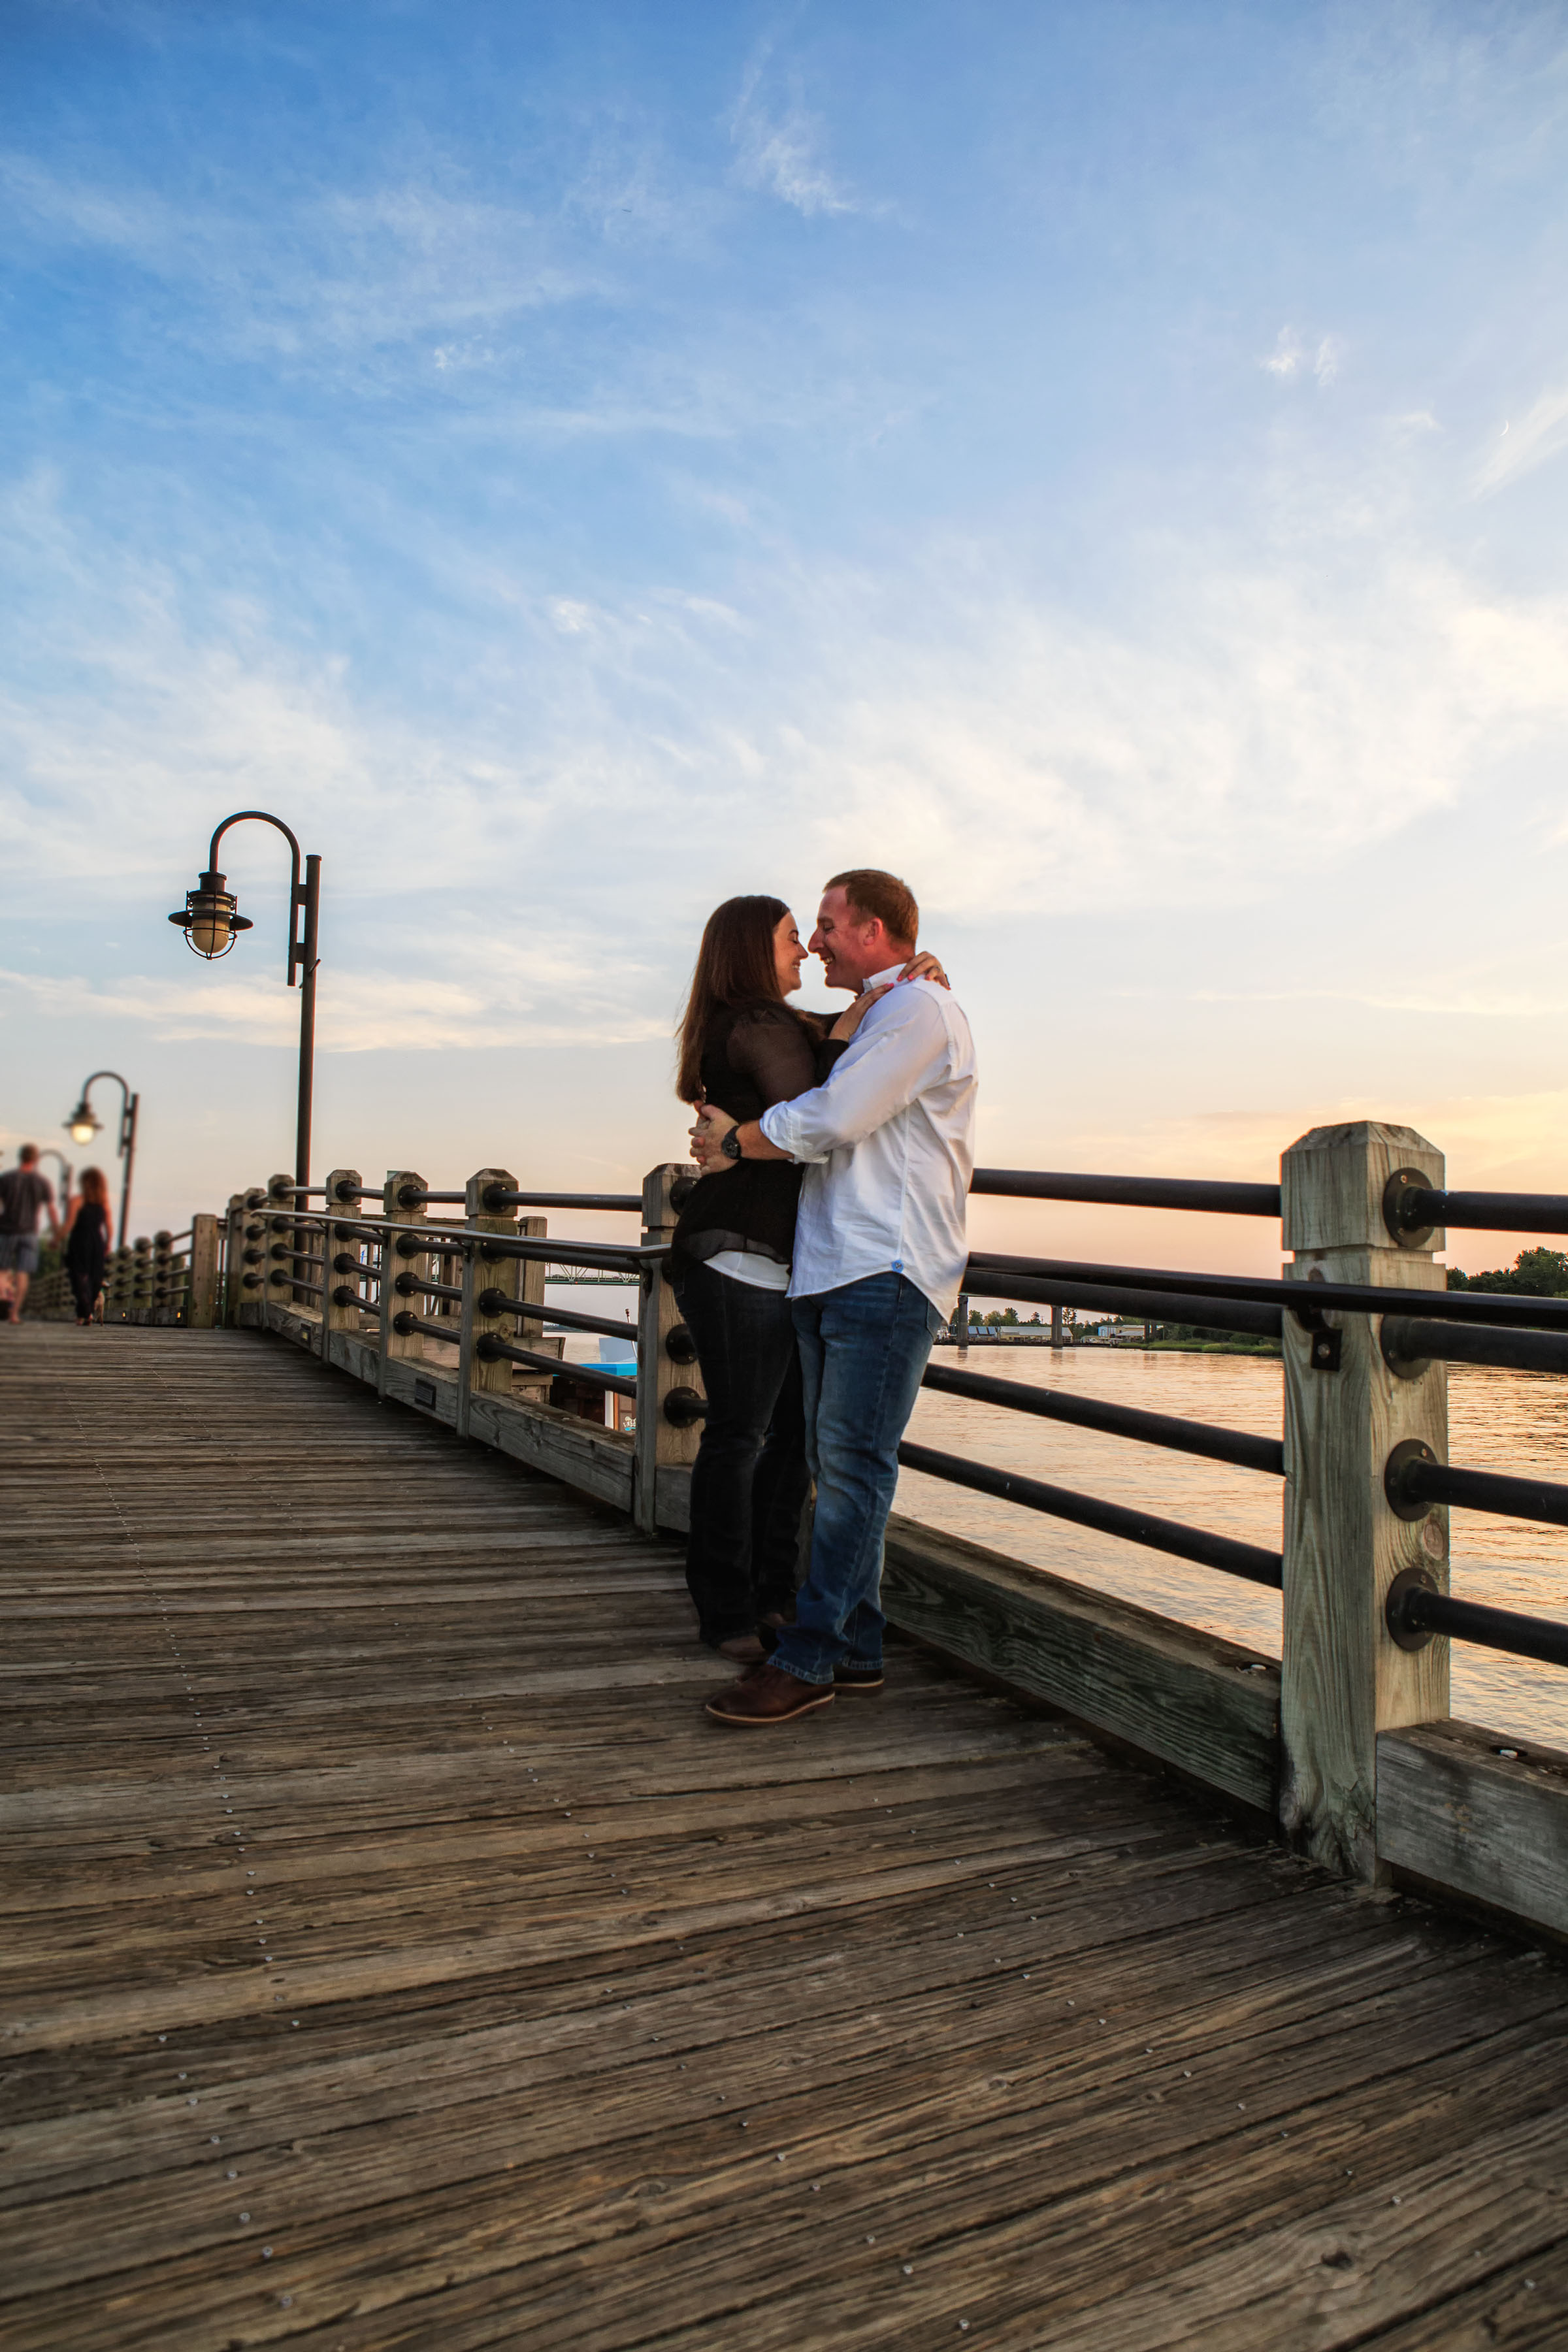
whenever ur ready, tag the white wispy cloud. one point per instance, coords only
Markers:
(553, 995)
(1541, 433)
(938, 717)
(779, 146)
(1293, 356)
(326, 274)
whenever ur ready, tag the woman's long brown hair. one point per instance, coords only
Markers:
(94, 1188)
(735, 965)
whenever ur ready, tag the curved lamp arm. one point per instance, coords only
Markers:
(118, 1081)
(255, 816)
(296, 895)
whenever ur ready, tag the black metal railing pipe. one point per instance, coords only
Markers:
(1153, 1305)
(498, 1302)
(605, 1257)
(490, 1350)
(292, 1282)
(498, 1197)
(1414, 1480)
(987, 1268)
(1225, 1553)
(1414, 1207)
(1407, 1344)
(1417, 1610)
(1216, 1199)
(1237, 1446)
(420, 1241)
(408, 1284)
(406, 1323)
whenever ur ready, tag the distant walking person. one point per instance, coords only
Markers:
(22, 1192)
(888, 1144)
(86, 1244)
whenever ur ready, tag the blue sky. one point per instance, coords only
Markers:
(1108, 464)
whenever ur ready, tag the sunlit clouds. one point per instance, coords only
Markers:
(577, 471)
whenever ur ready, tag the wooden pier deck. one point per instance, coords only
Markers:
(394, 1956)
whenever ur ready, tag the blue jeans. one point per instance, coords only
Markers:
(862, 1351)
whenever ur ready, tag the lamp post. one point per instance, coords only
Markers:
(84, 1124)
(68, 1176)
(211, 922)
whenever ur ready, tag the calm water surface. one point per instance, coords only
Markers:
(1497, 1421)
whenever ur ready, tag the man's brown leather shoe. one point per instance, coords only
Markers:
(768, 1696)
(859, 1678)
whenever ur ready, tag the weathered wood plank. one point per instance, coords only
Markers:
(1193, 1700)
(1454, 1811)
(321, 1706)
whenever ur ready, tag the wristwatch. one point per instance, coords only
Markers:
(731, 1143)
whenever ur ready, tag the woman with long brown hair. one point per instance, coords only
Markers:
(743, 1047)
(86, 1244)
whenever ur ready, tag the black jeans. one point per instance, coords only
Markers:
(749, 1480)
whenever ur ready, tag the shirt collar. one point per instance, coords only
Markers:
(884, 978)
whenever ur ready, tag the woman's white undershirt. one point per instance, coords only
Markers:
(749, 1265)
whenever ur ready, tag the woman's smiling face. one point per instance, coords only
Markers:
(788, 954)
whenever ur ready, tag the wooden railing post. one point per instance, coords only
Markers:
(661, 1443)
(249, 1275)
(201, 1287)
(480, 1274)
(394, 1302)
(341, 1308)
(114, 1281)
(141, 1279)
(1343, 1677)
(281, 1239)
(162, 1276)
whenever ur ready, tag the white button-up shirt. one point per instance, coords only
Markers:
(889, 1146)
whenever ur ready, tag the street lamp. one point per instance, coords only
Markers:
(211, 922)
(84, 1124)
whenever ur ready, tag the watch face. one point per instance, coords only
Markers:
(730, 1147)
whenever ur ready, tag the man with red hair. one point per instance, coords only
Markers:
(888, 1143)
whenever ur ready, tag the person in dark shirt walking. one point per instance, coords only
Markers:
(22, 1192)
(87, 1243)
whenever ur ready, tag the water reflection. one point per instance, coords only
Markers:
(1497, 1420)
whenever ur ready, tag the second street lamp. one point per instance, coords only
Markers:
(211, 921)
(84, 1124)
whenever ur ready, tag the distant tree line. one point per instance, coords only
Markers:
(1535, 1274)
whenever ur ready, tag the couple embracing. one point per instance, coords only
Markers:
(818, 1256)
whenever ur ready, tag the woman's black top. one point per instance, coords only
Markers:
(754, 1056)
(86, 1244)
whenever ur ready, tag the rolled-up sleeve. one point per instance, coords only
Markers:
(890, 1061)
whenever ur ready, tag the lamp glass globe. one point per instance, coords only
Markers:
(209, 930)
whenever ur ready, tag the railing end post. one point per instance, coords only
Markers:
(1345, 1676)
